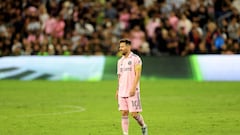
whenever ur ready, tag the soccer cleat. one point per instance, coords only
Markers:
(144, 130)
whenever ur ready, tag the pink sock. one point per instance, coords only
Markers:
(139, 119)
(125, 124)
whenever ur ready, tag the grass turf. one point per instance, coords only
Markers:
(170, 107)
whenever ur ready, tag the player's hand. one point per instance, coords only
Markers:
(132, 92)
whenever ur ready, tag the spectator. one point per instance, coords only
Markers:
(173, 43)
(233, 29)
(43, 15)
(49, 25)
(202, 16)
(236, 4)
(152, 24)
(124, 18)
(110, 11)
(236, 48)
(59, 25)
(202, 48)
(228, 48)
(184, 23)
(137, 36)
(195, 36)
(160, 40)
(189, 49)
(68, 27)
(17, 48)
(182, 40)
(83, 27)
(211, 33)
(173, 20)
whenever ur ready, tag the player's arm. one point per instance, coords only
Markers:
(116, 95)
(138, 70)
(118, 75)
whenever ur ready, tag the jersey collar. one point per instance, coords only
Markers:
(129, 56)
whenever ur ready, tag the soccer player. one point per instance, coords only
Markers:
(129, 68)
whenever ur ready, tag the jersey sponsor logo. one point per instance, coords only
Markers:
(125, 69)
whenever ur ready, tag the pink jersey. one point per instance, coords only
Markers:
(126, 72)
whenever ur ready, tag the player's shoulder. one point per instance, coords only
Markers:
(135, 56)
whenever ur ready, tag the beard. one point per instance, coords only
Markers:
(123, 52)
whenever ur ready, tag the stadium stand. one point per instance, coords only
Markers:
(94, 27)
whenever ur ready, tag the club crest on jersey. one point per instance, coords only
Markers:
(130, 62)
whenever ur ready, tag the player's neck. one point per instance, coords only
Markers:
(127, 54)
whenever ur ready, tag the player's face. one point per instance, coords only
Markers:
(123, 48)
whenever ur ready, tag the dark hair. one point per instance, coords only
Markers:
(128, 42)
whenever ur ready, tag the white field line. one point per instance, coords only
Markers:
(72, 109)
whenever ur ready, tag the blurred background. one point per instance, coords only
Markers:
(76, 35)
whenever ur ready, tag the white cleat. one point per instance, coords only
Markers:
(144, 130)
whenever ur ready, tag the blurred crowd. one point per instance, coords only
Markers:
(94, 27)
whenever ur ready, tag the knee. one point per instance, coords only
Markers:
(124, 113)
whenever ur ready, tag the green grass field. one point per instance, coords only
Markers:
(176, 107)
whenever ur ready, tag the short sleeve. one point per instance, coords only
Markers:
(137, 61)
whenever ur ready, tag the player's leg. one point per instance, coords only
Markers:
(135, 107)
(125, 122)
(123, 107)
(139, 118)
